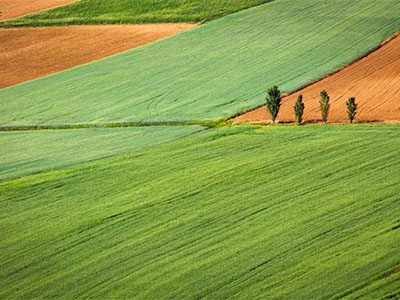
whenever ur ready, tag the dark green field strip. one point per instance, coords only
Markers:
(87, 12)
(215, 70)
(26, 152)
(307, 212)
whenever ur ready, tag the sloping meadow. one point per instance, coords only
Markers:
(213, 71)
(229, 213)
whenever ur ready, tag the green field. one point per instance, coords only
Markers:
(25, 152)
(117, 195)
(133, 11)
(307, 212)
(215, 70)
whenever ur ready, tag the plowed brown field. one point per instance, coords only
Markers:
(16, 8)
(374, 80)
(29, 53)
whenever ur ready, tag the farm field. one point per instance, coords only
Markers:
(123, 175)
(26, 152)
(307, 212)
(16, 8)
(29, 53)
(374, 80)
(91, 12)
(222, 67)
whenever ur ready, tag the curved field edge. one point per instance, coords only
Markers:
(95, 12)
(27, 152)
(236, 212)
(222, 67)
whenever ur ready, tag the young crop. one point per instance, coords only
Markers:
(273, 101)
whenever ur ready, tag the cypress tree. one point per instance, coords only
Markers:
(299, 110)
(351, 108)
(273, 103)
(324, 106)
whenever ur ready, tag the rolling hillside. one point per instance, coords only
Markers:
(119, 179)
(220, 69)
(238, 213)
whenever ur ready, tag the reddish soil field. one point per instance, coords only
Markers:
(373, 80)
(29, 53)
(16, 8)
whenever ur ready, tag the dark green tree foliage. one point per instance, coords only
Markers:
(273, 101)
(298, 110)
(351, 108)
(324, 105)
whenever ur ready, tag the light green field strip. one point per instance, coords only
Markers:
(230, 213)
(215, 70)
(24, 152)
(133, 11)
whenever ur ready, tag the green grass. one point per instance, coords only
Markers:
(25, 152)
(308, 212)
(132, 12)
(212, 71)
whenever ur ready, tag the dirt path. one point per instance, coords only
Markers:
(29, 53)
(17, 8)
(374, 81)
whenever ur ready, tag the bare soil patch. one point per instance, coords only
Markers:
(16, 8)
(374, 80)
(29, 53)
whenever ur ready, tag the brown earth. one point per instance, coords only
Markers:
(373, 80)
(29, 53)
(16, 8)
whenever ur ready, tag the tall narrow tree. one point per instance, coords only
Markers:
(273, 101)
(324, 106)
(299, 110)
(351, 108)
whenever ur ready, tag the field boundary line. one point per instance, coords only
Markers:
(208, 124)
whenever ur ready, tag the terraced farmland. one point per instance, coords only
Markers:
(288, 212)
(25, 152)
(90, 12)
(221, 68)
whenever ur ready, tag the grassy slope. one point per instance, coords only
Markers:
(24, 152)
(133, 11)
(290, 212)
(215, 70)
